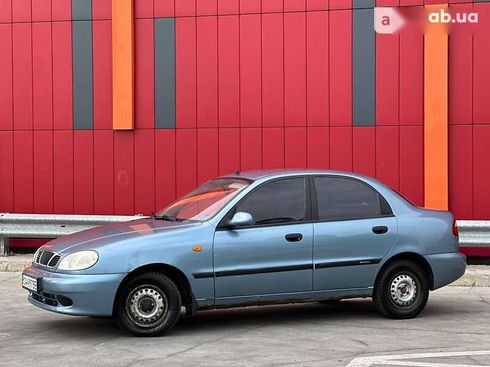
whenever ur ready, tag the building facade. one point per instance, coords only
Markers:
(227, 85)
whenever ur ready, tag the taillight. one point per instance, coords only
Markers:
(455, 228)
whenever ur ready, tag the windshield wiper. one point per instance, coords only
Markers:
(167, 218)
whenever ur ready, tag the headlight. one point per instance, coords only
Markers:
(79, 260)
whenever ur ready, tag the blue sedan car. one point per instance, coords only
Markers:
(253, 238)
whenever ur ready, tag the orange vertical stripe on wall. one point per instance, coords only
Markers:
(122, 65)
(435, 113)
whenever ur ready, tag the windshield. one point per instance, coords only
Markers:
(205, 201)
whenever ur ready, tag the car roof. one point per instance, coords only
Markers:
(276, 173)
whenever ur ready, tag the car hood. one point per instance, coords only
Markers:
(97, 237)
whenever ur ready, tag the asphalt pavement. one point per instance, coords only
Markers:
(454, 330)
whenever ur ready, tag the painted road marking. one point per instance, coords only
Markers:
(400, 359)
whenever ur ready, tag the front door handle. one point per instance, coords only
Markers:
(380, 229)
(294, 237)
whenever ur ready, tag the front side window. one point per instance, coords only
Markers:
(281, 201)
(344, 198)
(205, 201)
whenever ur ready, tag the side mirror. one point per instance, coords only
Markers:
(241, 219)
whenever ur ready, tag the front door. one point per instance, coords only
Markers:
(273, 256)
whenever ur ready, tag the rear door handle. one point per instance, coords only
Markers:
(293, 237)
(380, 229)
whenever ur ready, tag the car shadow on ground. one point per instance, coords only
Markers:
(347, 311)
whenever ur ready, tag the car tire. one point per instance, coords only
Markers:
(148, 305)
(401, 291)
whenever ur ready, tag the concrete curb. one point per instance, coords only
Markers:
(475, 276)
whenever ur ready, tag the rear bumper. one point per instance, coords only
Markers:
(90, 295)
(446, 268)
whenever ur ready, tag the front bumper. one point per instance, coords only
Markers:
(446, 268)
(90, 295)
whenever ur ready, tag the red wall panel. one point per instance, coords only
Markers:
(61, 10)
(364, 150)
(228, 71)
(63, 172)
(62, 76)
(229, 150)
(42, 78)
(250, 6)
(317, 4)
(207, 155)
(101, 9)
(7, 169)
(185, 161)
(272, 70)
(185, 7)
(143, 9)
(41, 10)
(23, 172)
(102, 74)
(269, 6)
(186, 78)
(460, 79)
(43, 172)
(83, 171)
(294, 68)
(164, 8)
(317, 68)
(103, 172)
(295, 147)
(387, 74)
(6, 77)
(164, 167)
(273, 147)
(250, 148)
(5, 11)
(411, 75)
(22, 76)
(387, 156)
(124, 172)
(144, 99)
(341, 148)
(481, 60)
(461, 171)
(294, 5)
(250, 71)
(228, 6)
(412, 163)
(318, 147)
(21, 10)
(207, 72)
(340, 61)
(144, 171)
(206, 7)
(481, 172)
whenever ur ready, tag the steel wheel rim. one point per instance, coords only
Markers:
(403, 290)
(146, 306)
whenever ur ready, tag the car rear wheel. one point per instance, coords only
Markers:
(401, 290)
(148, 305)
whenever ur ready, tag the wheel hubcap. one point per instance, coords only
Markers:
(403, 290)
(146, 305)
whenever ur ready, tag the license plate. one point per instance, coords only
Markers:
(29, 283)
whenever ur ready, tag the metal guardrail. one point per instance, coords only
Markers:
(50, 225)
(474, 233)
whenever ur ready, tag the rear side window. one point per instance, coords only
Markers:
(280, 201)
(341, 198)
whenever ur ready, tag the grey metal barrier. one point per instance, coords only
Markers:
(474, 233)
(49, 225)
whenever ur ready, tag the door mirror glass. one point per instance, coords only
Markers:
(241, 219)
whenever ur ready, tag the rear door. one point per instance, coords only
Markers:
(354, 230)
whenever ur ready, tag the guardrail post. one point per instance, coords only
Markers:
(4, 246)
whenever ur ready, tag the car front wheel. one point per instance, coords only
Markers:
(148, 305)
(401, 290)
